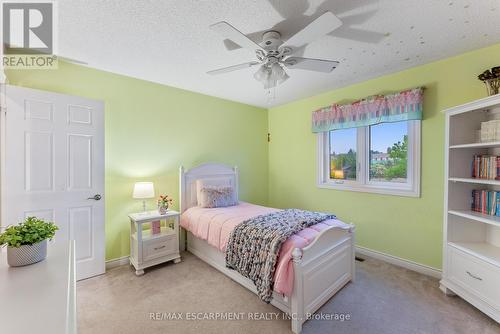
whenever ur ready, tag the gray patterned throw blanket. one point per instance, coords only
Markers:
(254, 245)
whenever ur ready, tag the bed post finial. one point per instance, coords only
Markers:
(181, 169)
(297, 255)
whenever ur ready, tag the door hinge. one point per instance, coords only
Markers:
(268, 137)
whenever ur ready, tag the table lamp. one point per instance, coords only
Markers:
(143, 190)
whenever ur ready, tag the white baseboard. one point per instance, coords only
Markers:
(419, 268)
(110, 264)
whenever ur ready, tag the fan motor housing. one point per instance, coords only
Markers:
(271, 40)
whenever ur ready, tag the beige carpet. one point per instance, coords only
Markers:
(383, 299)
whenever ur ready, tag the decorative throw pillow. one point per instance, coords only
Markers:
(216, 182)
(217, 197)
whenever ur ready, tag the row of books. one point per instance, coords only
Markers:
(486, 201)
(486, 167)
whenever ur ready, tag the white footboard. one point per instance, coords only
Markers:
(321, 269)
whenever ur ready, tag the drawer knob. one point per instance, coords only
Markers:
(474, 276)
(157, 248)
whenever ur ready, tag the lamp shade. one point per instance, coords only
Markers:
(143, 190)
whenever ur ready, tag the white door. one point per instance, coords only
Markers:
(54, 169)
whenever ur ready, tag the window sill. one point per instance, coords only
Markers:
(395, 191)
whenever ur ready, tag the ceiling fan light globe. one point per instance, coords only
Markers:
(284, 78)
(275, 71)
(262, 74)
(278, 74)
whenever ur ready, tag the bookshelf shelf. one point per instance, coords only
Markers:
(475, 180)
(477, 216)
(482, 250)
(492, 144)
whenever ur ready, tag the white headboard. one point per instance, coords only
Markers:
(187, 181)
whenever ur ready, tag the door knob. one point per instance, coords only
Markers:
(96, 197)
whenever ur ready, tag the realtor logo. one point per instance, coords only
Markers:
(28, 34)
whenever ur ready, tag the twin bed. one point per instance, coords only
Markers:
(312, 266)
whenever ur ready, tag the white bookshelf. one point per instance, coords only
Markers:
(471, 240)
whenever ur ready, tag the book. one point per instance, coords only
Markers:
(497, 177)
(485, 167)
(156, 227)
(486, 202)
(497, 213)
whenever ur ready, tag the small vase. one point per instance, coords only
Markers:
(26, 254)
(162, 209)
(492, 86)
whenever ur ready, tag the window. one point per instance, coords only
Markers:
(388, 160)
(343, 160)
(382, 158)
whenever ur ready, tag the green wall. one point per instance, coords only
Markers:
(410, 228)
(152, 129)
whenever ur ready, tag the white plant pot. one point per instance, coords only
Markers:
(26, 254)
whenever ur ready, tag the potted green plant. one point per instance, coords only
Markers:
(27, 242)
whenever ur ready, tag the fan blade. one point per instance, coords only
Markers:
(323, 25)
(233, 68)
(310, 64)
(233, 34)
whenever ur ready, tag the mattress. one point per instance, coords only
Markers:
(216, 224)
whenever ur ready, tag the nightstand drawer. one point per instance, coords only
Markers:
(476, 275)
(153, 249)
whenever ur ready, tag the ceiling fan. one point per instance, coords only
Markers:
(274, 55)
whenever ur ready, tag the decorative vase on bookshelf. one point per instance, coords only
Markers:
(492, 86)
(491, 79)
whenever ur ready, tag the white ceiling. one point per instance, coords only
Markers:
(169, 42)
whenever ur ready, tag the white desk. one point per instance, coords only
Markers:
(40, 298)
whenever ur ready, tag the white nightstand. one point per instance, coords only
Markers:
(148, 249)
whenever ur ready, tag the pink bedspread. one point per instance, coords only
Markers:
(215, 226)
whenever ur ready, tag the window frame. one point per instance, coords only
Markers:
(362, 182)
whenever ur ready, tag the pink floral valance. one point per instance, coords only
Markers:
(402, 106)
